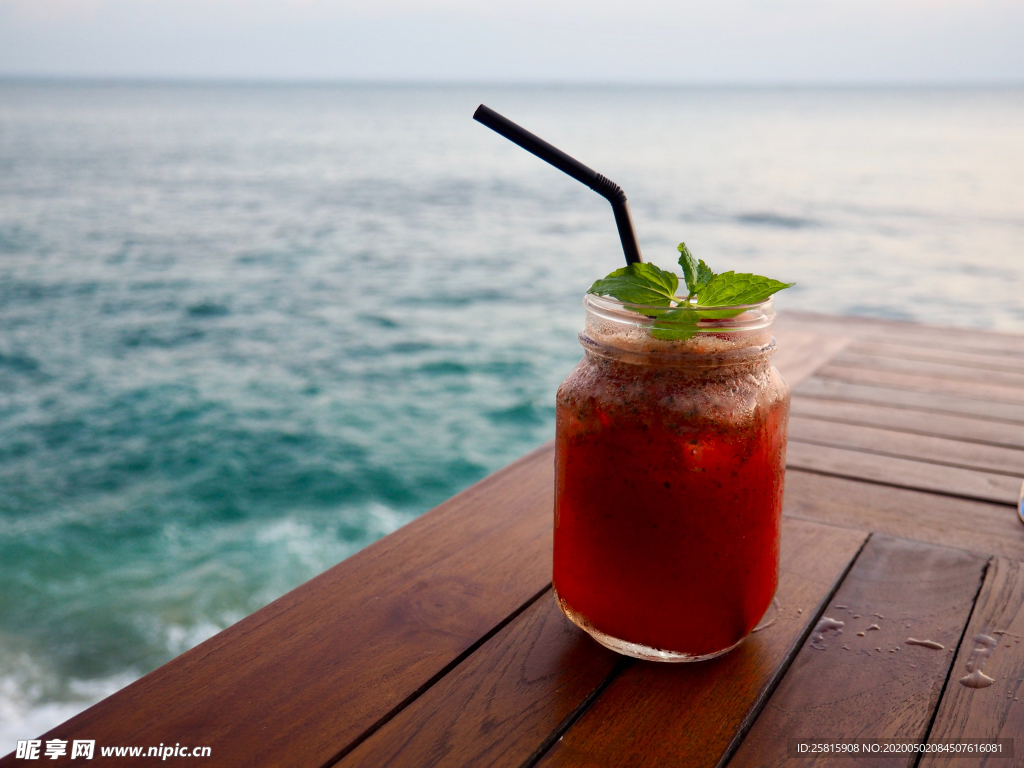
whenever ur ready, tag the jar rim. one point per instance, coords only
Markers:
(736, 317)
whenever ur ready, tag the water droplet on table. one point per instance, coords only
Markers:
(983, 647)
(926, 644)
(825, 625)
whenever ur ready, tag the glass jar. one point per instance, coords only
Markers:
(669, 464)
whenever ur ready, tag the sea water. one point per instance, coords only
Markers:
(246, 330)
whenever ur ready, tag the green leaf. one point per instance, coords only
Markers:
(639, 284)
(697, 274)
(730, 288)
(704, 275)
(710, 313)
(689, 265)
(677, 324)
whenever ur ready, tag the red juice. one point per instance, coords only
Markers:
(668, 497)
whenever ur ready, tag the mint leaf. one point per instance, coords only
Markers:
(677, 324)
(704, 275)
(689, 265)
(697, 274)
(641, 283)
(730, 288)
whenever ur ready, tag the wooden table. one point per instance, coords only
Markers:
(441, 643)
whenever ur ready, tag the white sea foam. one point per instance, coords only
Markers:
(34, 699)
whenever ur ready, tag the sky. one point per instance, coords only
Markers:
(656, 41)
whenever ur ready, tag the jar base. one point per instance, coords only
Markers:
(637, 651)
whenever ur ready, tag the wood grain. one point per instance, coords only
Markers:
(931, 369)
(944, 520)
(834, 389)
(979, 360)
(934, 369)
(889, 442)
(873, 685)
(500, 705)
(996, 711)
(800, 354)
(973, 390)
(960, 428)
(299, 680)
(905, 473)
(689, 714)
(877, 330)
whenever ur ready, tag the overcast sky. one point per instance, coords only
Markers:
(709, 41)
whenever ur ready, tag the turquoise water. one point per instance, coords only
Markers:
(247, 330)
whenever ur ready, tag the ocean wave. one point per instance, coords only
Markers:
(35, 698)
(768, 219)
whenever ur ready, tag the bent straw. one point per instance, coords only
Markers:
(605, 187)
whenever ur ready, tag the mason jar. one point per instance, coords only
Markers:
(669, 465)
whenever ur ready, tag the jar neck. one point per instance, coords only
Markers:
(710, 339)
(709, 362)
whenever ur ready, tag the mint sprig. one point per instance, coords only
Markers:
(730, 289)
(676, 317)
(639, 284)
(696, 273)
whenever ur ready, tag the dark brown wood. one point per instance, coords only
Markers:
(864, 680)
(922, 383)
(978, 360)
(500, 705)
(930, 517)
(299, 680)
(954, 453)
(905, 473)
(834, 389)
(995, 711)
(688, 714)
(960, 428)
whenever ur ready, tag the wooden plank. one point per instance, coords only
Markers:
(865, 682)
(834, 389)
(800, 354)
(299, 680)
(954, 453)
(994, 711)
(972, 342)
(689, 714)
(904, 473)
(977, 360)
(962, 428)
(500, 705)
(919, 383)
(935, 518)
(871, 329)
(937, 370)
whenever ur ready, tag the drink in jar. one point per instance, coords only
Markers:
(669, 468)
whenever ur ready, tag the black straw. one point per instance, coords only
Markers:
(605, 187)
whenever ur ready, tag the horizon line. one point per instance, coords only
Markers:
(780, 84)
